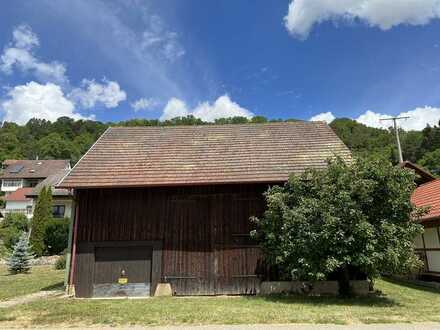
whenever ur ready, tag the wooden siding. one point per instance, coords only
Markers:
(201, 234)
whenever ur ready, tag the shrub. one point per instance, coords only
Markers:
(56, 236)
(21, 257)
(12, 227)
(61, 262)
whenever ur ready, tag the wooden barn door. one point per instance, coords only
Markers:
(187, 256)
(235, 255)
(208, 250)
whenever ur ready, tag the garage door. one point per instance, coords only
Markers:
(122, 271)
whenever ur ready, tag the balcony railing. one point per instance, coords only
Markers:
(22, 211)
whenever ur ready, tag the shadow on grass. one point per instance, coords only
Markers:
(56, 286)
(410, 285)
(373, 300)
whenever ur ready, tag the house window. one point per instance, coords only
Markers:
(58, 211)
(12, 183)
(29, 209)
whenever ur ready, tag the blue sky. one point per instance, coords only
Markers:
(117, 60)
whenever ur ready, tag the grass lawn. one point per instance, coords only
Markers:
(40, 278)
(399, 303)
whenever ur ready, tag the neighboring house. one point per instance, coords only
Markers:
(172, 204)
(428, 244)
(18, 202)
(18, 177)
(17, 174)
(61, 198)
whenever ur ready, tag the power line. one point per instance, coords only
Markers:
(399, 148)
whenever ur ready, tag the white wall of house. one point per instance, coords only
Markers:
(67, 203)
(24, 207)
(27, 207)
(429, 245)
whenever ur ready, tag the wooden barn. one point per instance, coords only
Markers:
(172, 204)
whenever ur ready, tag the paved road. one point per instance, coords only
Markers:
(420, 326)
(309, 327)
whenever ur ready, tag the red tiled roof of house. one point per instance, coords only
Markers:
(18, 195)
(206, 154)
(428, 194)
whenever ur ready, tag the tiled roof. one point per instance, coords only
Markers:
(24, 169)
(18, 195)
(52, 181)
(208, 154)
(428, 194)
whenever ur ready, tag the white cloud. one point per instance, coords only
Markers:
(108, 93)
(35, 100)
(223, 107)
(328, 117)
(304, 14)
(158, 39)
(19, 55)
(24, 37)
(174, 108)
(419, 118)
(144, 104)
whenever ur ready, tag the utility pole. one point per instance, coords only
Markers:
(399, 148)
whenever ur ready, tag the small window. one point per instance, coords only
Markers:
(29, 209)
(58, 211)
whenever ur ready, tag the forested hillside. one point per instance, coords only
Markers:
(69, 139)
(421, 147)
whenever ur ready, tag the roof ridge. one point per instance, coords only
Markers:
(223, 125)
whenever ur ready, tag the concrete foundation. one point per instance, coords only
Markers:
(317, 288)
(163, 290)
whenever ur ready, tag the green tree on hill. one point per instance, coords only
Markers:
(42, 217)
(431, 161)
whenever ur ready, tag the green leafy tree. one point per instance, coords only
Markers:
(431, 161)
(431, 138)
(9, 146)
(42, 217)
(348, 219)
(2, 199)
(12, 227)
(21, 257)
(56, 236)
(54, 146)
